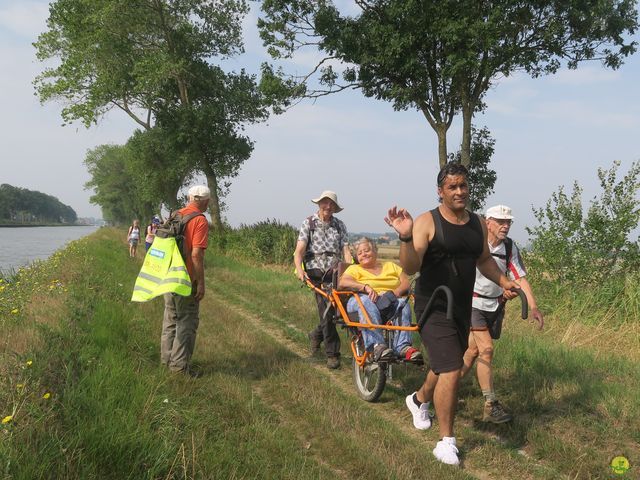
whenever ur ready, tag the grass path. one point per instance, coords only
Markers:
(285, 314)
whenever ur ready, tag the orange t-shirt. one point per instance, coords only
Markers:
(196, 234)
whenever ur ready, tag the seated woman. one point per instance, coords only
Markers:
(379, 286)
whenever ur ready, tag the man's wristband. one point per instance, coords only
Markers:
(405, 239)
(364, 289)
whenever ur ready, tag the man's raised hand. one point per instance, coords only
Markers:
(400, 220)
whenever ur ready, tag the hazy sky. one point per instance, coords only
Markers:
(549, 132)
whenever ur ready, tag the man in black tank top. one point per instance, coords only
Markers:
(445, 245)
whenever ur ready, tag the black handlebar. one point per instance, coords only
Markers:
(447, 292)
(523, 301)
(441, 289)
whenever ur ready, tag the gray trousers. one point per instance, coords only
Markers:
(179, 326)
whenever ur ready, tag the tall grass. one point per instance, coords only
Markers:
(264, 242)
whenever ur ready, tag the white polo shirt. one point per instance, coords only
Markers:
(487, 288)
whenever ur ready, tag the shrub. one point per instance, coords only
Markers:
(267, 241)
(570, 246)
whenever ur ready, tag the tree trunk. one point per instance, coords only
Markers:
(441, 131)
(214, 203)
(467, 118)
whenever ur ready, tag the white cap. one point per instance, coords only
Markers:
(331, 196)
(499, 212)
(199, 192)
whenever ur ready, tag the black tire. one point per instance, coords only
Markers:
(369, 379)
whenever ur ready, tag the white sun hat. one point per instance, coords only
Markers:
(331, 196)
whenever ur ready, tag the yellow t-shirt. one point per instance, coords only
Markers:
(389, 277)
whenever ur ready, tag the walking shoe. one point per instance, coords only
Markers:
(494, 412)
(446, 451)
(314, 345)
(411, 354)
(188, 372)
(382, 353)
(421, 415)
(333, 362)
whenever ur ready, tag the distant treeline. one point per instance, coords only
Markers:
(19, 205)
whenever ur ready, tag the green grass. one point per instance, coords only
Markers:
(262, 408)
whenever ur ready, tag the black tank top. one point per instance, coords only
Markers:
(450, 260)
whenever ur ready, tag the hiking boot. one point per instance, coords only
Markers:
(333, 362)
(446, 451)
(494, 412)
(421, 415)
(382, 353)
(188, 372)
(410, 354)
(314, 345)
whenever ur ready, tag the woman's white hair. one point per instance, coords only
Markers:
(368, 240)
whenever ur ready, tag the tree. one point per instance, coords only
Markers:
(33, 206)
(441, 57)
(481, 177)
(151, 59)
(116, 189)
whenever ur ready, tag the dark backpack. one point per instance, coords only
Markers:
(508, 248)
(174, 227)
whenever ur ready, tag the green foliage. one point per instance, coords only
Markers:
(116, 186)
(441, 58)
(154, 59)
(19, 205)
(266, 242)
(588, 248)
(481, 177)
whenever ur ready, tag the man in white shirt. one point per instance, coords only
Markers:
(488, 309)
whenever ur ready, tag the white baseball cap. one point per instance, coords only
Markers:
(199, 192)
(331, 196)
(499, 212)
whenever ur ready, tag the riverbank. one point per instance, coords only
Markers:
(82, 394)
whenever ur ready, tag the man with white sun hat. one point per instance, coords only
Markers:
(322, 243)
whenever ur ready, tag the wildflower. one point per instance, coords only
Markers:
(46, 396)
(7, 419)
(29, 363)
(14, 311)
(19, 386)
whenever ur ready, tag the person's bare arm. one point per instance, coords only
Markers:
(536, 314)
(419, 232)
(298, 256)
(346, 252)
(347, 282)
(403, 288)
(197, 257)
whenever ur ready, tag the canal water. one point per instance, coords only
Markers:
(20, 246)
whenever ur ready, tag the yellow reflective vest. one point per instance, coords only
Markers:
(163, 271)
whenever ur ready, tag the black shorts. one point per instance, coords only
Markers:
(492, 321)
(446, 342)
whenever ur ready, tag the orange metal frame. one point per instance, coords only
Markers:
(335, 300)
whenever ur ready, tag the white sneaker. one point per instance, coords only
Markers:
(421, 414)
(446, 451)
